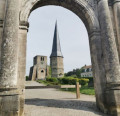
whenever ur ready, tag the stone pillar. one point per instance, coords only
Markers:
(9, 94)
(22, 55)
(8, 74)
(98, 68)
(22, 65)
(111, 59)
(2, 11)
(1, 31)
(116, 10)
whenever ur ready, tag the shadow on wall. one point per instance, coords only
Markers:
(68, 104)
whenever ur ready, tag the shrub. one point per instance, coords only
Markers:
(64, 80)
(83, 81)
(72, 81)
(52, 79)
(60, 80)
(75, 76)
(90, 79)
(68, 80)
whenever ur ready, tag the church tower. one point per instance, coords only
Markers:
(56, 57)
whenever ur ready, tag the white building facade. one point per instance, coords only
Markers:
(87, 71)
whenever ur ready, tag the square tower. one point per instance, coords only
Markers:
(39, 68)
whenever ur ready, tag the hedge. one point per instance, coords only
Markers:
(52, 79)
(67, 80)
(83, 81)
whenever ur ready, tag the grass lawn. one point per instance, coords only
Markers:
(84, 89)
(87, 90)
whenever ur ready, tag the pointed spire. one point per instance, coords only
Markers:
(56, 48)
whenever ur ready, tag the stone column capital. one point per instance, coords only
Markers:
(24, 25)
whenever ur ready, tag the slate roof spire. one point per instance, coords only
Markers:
(56, 48)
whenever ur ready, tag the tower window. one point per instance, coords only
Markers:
(42, 71)
(42, 58)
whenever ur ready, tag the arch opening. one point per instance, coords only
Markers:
(90, 19)
(71, 30)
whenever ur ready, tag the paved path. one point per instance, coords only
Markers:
(52, 102)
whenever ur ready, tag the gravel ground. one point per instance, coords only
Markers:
(52, 102)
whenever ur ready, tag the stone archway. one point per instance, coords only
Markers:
(95, 14)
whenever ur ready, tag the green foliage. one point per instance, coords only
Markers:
(52, 79)
(68, 80)
(42, 81)
(75, 76)
(27, 78)
(83, 81)
(64, 80)
(84, 90)
(76, 72)
(48, 82)
(87, 90)
(90, 79)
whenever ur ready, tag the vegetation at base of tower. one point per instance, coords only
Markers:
(52, 81)
(64, 81)
(85, 89)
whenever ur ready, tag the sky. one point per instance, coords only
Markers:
(72, 33)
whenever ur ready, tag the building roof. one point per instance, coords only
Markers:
(56, 48)
(85, 67)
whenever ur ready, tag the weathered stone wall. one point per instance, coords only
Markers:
(116, 15)
(2, 15)
(53, 65)
(39, 68)
(22, 57)
(98, 68)
(22, 66)
(57, 67)
(9, 92)
(32, 75)
(60, 66)
(103, 25)
(111, 59)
